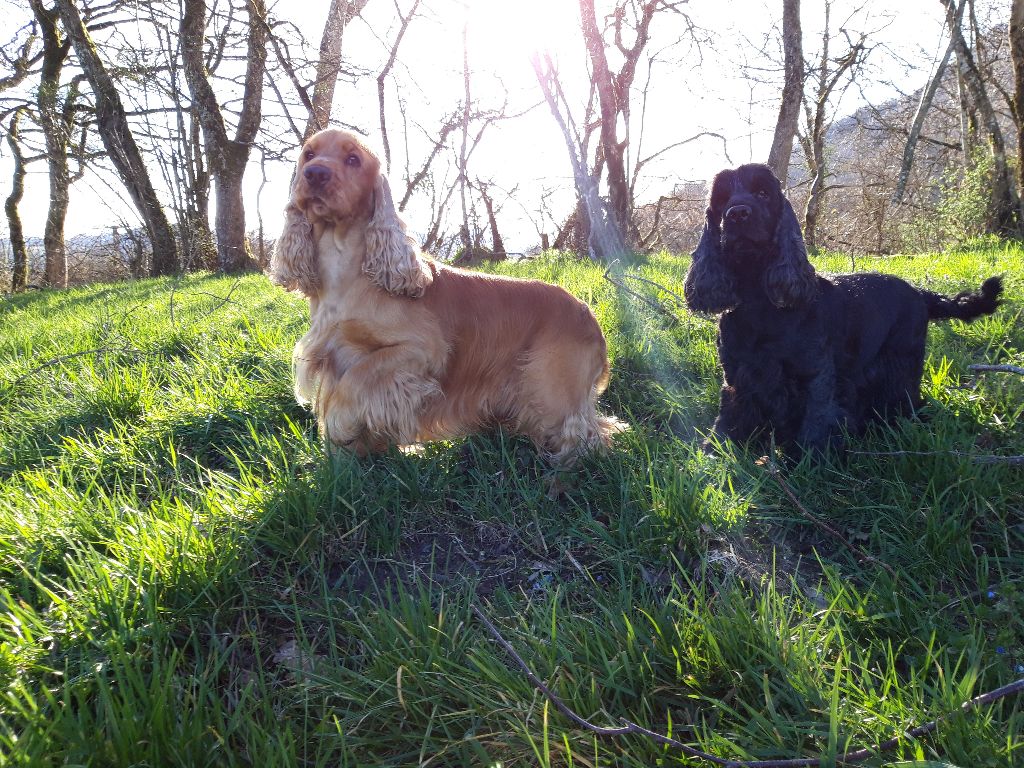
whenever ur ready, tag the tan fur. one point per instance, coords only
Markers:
(402, 349)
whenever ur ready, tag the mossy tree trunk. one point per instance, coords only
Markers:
(56, 135)
(1017, 56)
(227, 156)
(124, 153)
(792, 91)
(19, 277)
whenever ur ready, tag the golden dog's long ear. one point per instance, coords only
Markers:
(293, 263)
(392, 259)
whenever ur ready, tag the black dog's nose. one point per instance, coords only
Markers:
(738, 213)
(316, 175)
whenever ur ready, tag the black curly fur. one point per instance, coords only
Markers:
(803, 355)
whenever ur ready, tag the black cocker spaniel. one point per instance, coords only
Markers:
(805, 356)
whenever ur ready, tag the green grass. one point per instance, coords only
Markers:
(186, 578)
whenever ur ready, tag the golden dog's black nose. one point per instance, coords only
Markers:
(316, 175)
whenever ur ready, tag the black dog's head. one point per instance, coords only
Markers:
(751, 235)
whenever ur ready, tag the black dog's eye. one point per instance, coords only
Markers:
(353, 160)
(763, 194)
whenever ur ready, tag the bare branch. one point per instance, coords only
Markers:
(997, 368)
(628, 727)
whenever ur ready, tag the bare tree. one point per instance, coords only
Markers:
(442, 191)
(1017, 57)
(621, 36)
(184, 165)
(927, 95)
(438, 140)
(19, 276)
(828, 74)
(497, 241)
(464, 231)
(55, 118)
(613, 93)
(792, 91)
(226, 155)
(385, 72)
(604, 239)
(328, 66)
(112, 123)
(1005, 204)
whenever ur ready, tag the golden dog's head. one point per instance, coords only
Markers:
(338, 183)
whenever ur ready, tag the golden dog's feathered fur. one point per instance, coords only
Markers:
(402, 349)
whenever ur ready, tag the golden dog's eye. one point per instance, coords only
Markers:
(309, 154)
(353, 160)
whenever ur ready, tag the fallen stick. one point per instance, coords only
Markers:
(821, 524)
(988, 459)
(996, 368)
(629, 727)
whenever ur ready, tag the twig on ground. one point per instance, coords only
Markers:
(629, 727)
(64, 358)
(226, 299)
(657, 306)
(680, 301)
(996, 368)
(988, 459)
(773, 470)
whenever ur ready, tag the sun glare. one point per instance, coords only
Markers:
(501, 32)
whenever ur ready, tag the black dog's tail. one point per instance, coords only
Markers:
(965, 305)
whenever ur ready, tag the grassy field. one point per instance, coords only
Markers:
(187, 579)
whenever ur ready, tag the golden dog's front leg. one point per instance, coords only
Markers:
(379, 400)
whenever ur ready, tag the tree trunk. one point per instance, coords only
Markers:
(608, 101)
(792, 91)
(497, 243)
(829, 73)
(19, 277)
(464, 231)
(227, 156)
(340, 14)
(1017, 56)
(814, 199)
(613, 101)
(604, 238)
(922, 110)
(814, 145)
(55, 135)
(192, 182)
(382, 77)
(229, 221)
(55, 271)
(112, 123)
(1004, 203)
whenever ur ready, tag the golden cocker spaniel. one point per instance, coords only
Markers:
(402, 349)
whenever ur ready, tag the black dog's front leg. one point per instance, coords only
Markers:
(752, 402)
(822, 418)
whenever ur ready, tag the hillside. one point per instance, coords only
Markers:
(186, 578)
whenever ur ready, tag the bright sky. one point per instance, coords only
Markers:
(710, 88)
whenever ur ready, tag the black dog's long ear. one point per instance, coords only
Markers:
(790, 280)
(709, 287)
